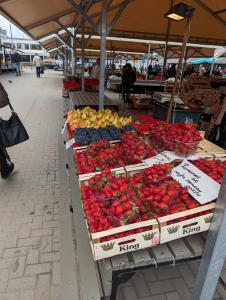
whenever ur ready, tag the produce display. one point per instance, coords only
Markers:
(100, 155)
(111, 201)
(90, 118)
(136, 198)
(183, 139)
(213, 168)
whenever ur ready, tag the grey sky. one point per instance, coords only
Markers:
(4, 23)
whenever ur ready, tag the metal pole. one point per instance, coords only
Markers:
(83, 59)
(214, 252)
(102, 53)
(166, 45)
(11, 37)
(72, 53)
(75, 54)
(149, 50)
(212, 65)
(184, 46)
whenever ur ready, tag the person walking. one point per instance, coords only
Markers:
(37, 61)
(6, 166)
(16, 61)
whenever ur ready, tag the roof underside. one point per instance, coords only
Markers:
(143, 19)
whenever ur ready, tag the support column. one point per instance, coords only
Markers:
(214, 252)
(102, 53)
(149, 51)
(72, 54)
(75, 53)
(83, 58)
(179, 67)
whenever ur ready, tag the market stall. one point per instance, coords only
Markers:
(175, 237)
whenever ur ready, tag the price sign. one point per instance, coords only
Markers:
(70, 143)
(165, 157)
(200, 186)
(63, 129)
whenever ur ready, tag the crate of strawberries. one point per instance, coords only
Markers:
(183, 139)
(142, 207)
(101, 155)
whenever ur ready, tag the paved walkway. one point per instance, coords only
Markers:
(29, 199)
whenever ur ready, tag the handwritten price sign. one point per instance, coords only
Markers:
(164, 157)
(200, 186)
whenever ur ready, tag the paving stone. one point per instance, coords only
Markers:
(129, 293)
(41, 232)
(51, 224)
(167, 273)
(5, 263)
(43, 287)
(11, 240)
(158, 297)
(160, 287)
(187, 275)
(56, 246)
(194, 266)
(17, 267)
(49, 257)
(33, 254)
(37, 269)
(37, 222)
(181, 288)
(46, 244)
(55, 292)
(173, 296)
(4, 273)
(22, 283)
(29, 241)
(27, 295)
(56, 273)
(140, 285)
(150, 275)
(10, 296)
(20, 251)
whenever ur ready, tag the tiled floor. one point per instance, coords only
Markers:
(29, 199)
(165, 283)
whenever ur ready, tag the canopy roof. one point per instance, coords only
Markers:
(139, 19)
(136, 48)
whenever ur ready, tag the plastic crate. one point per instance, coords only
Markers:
(71, 84)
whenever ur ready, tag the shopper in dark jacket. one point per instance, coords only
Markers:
(128, 79)
(172, 71)
(6, 166)
(16, 61)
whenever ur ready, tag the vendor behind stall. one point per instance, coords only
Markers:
(218, 133)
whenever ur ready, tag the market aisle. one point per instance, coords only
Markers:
(29, 200)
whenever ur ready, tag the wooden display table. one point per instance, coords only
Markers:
(83, 99)
(140, 86)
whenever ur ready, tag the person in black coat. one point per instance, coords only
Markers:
(128, 80)
(6, 166)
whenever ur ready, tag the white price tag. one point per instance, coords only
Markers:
(165, 157)
(63, 129)
(70, 143)
(200, 186)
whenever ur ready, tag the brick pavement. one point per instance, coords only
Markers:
(29, 200)
(166, 283)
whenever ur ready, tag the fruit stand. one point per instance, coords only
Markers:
(162, 240)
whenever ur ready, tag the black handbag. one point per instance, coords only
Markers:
(12, 131)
